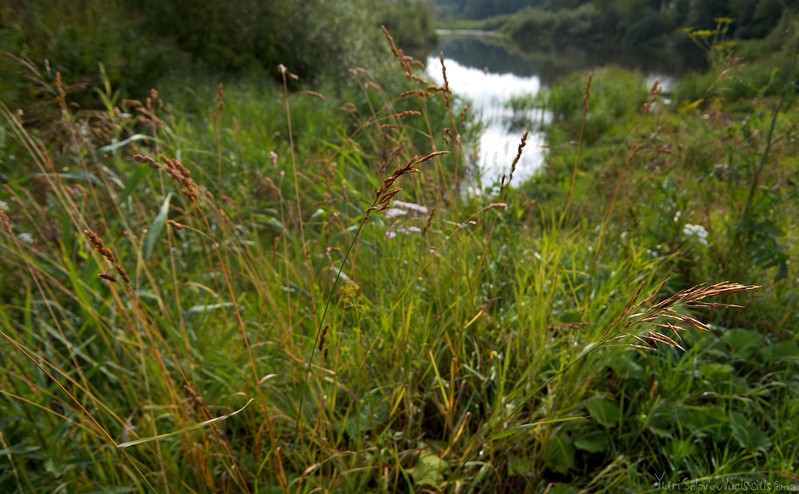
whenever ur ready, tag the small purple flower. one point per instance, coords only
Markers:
(416, 208)
(394, 212)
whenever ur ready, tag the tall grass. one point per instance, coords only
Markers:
(242, 299)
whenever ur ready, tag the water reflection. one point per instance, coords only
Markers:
(488, 92)
(550, 62)
(487, 71)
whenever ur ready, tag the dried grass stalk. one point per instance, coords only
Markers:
(99, 246)
(665, 314)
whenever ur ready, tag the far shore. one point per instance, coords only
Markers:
(467, 32)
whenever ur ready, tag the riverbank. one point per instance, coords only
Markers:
(495, 78)
(467, 32)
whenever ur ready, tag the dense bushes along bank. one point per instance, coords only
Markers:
(139, 42)
(531, 22)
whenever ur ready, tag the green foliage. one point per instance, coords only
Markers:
(616, 95)
(703, 169)
(518, 341)
(44, 37)
(531, 25)
(410, 22)
(304, 36)
(139, 42)
(631, 22)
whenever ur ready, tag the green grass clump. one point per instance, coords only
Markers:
(221, 288)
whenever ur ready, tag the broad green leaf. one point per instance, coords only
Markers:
(784, 351)
(148, 295)
(273, 222)
(595, 441)
(19, 450)
(743, 342)
(562, 489)
(604, 411)
(519, 465)
(663, 418)
(715, 373)
(748, 435)
(429, 470)
(625, 365)
(704, 421)
(372, 412)
(559, 453)
(156, 227)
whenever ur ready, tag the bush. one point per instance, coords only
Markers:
(304, 36)
(75, 42)
(410, 22)
(532, 24)
(615, 94)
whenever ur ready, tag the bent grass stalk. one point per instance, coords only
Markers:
(285, 74)
(381, 202)
(586, 98)
(180, 175)
(637, 312)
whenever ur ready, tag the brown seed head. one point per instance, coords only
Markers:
(59, 86)
(5, 222)
(122, 272)
(99, 246)
(518, 157)
(220, 97)
(587, 94)
(146, 160)
(181, 175)
(322, 337)
(406, 113)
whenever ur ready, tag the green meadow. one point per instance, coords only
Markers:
(268, 276)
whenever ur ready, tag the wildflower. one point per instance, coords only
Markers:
(416, 208)
(697, 231)
(405, 230)
(394, 212)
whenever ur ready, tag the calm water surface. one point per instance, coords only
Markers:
(486, 72)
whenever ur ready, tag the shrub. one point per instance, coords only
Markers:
(615, 94)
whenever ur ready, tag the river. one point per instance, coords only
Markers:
(487, 72)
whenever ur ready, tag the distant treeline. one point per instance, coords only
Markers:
(631, 21)
(482, 9)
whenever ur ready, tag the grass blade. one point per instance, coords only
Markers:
(185, 429)
(156, 227)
